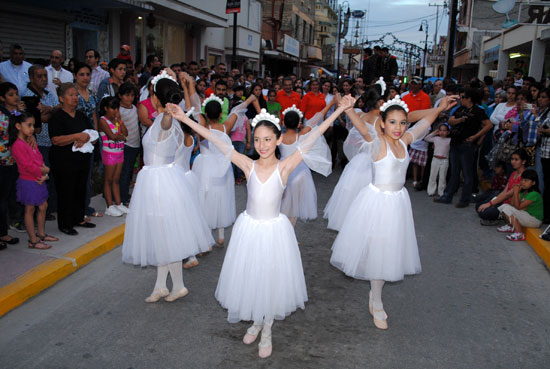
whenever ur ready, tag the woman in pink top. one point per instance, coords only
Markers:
(31, 186)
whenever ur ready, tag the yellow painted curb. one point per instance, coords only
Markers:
(47, 274)
(541, 247)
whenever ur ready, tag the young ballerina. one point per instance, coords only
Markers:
(31, 187)
(377, 241)
(299, 198)
(215, 173)
(262, 277)
(163, 226)
(358, 172)
(113, 134)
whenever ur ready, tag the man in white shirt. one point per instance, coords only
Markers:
(98, 74)
(16, 70)
(56, 74)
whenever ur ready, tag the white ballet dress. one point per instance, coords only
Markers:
(377, 239)
(164, 224)
(299, 197)
(356, 175)
(216, 183)
(262, 275)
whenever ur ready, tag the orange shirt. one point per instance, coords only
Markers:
(312, 104)
(420, 101)
(288, 101)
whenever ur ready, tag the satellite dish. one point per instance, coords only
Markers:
(504, 7)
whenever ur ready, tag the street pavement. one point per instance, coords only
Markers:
(480, 302)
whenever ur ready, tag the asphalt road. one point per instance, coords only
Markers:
(480, 302)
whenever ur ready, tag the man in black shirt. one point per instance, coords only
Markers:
(469, 125)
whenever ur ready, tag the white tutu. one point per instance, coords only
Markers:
(300, 198)
(356, 175)
(163, 225)
(262, 275)
(216, 185)
(377, 239)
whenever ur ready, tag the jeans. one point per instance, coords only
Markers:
(239, 146)
(538, 169)
(50, 184)
(546, 194)
(492, 212)
(8, 176)
(462, 159)
(130, 155)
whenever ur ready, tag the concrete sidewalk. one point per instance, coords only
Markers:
(26, 272)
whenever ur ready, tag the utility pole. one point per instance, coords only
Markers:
(444, 5)
(451, 35)
(234, 56)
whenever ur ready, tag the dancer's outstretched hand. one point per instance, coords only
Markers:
(346, 102)
(448, 102)
(176, 111)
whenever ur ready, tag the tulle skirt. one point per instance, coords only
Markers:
(356, 175)
(262, 275)
(165, 223)
(216, 190)
(300, 198)
(377, 239)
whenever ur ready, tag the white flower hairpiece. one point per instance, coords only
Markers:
(294, 109)
(212, 98)
(395, 101)
(264, 115)
(160, 76)
(382, 84)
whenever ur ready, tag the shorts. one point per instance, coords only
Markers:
(112, 158)
(418, 157)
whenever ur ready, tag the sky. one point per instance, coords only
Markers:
(400, 17)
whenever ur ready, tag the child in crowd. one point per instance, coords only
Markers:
(525, 209)
(418, 152)
(113, 134)
(31, 187)
(238, 136)
(129, 116)
(273, 107)
(440, 161)
(498, 183)
(9, 99)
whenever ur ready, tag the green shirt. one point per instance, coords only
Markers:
(225, 110)
(534, 209)
(274, 108)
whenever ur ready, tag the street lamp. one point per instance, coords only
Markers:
(424, 61)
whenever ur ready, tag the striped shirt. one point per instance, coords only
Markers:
(130, 119)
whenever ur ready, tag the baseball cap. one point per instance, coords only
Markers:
(416, 79)
(125, 47)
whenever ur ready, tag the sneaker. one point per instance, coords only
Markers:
(486, 222)
(18, 227)
(123, 208)
(516, 236)
(507, 228)
(113, 211)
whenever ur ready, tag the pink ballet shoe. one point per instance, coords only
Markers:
(174, 296)
(264, 347)
(381, 323)
(157, 295)
(191, 264)
(252, 334)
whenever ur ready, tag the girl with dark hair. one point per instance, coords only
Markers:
(129, 115)
(216, 178)
(300, 198)
(358, 173)
(31, 189)
(377, 241)
(525, 209)
(262, 278)
(165, 224)
(256, 90)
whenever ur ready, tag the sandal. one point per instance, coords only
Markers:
(96, 214)
(39, 245)
(47, 238)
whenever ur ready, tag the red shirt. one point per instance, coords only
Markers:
(511, 183)
(312, 104)
(420, 101)
(208, 92)
(288, 101)
(29, 160)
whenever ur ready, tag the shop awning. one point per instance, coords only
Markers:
(274, 54)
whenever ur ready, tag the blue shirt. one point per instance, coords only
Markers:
(48, 99)
(16, 74)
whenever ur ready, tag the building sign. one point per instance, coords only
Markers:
(233, 6)
(351, 50)
(291, 46)
(357, 14)
(534, 13)
(491, 55)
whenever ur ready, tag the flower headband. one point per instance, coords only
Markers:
(294, 109)
(382, 84)
(264, 115)
(159, 77)
(395, 101)
(212, 98)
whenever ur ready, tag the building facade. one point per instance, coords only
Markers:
(326, 22)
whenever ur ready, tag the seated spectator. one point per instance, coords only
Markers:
(487, 206)
(525, 208)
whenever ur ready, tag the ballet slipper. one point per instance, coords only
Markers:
(252, 334)
(174, 296)
(157, 295)
(380, 323)
(191, 264)
(265, 347)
